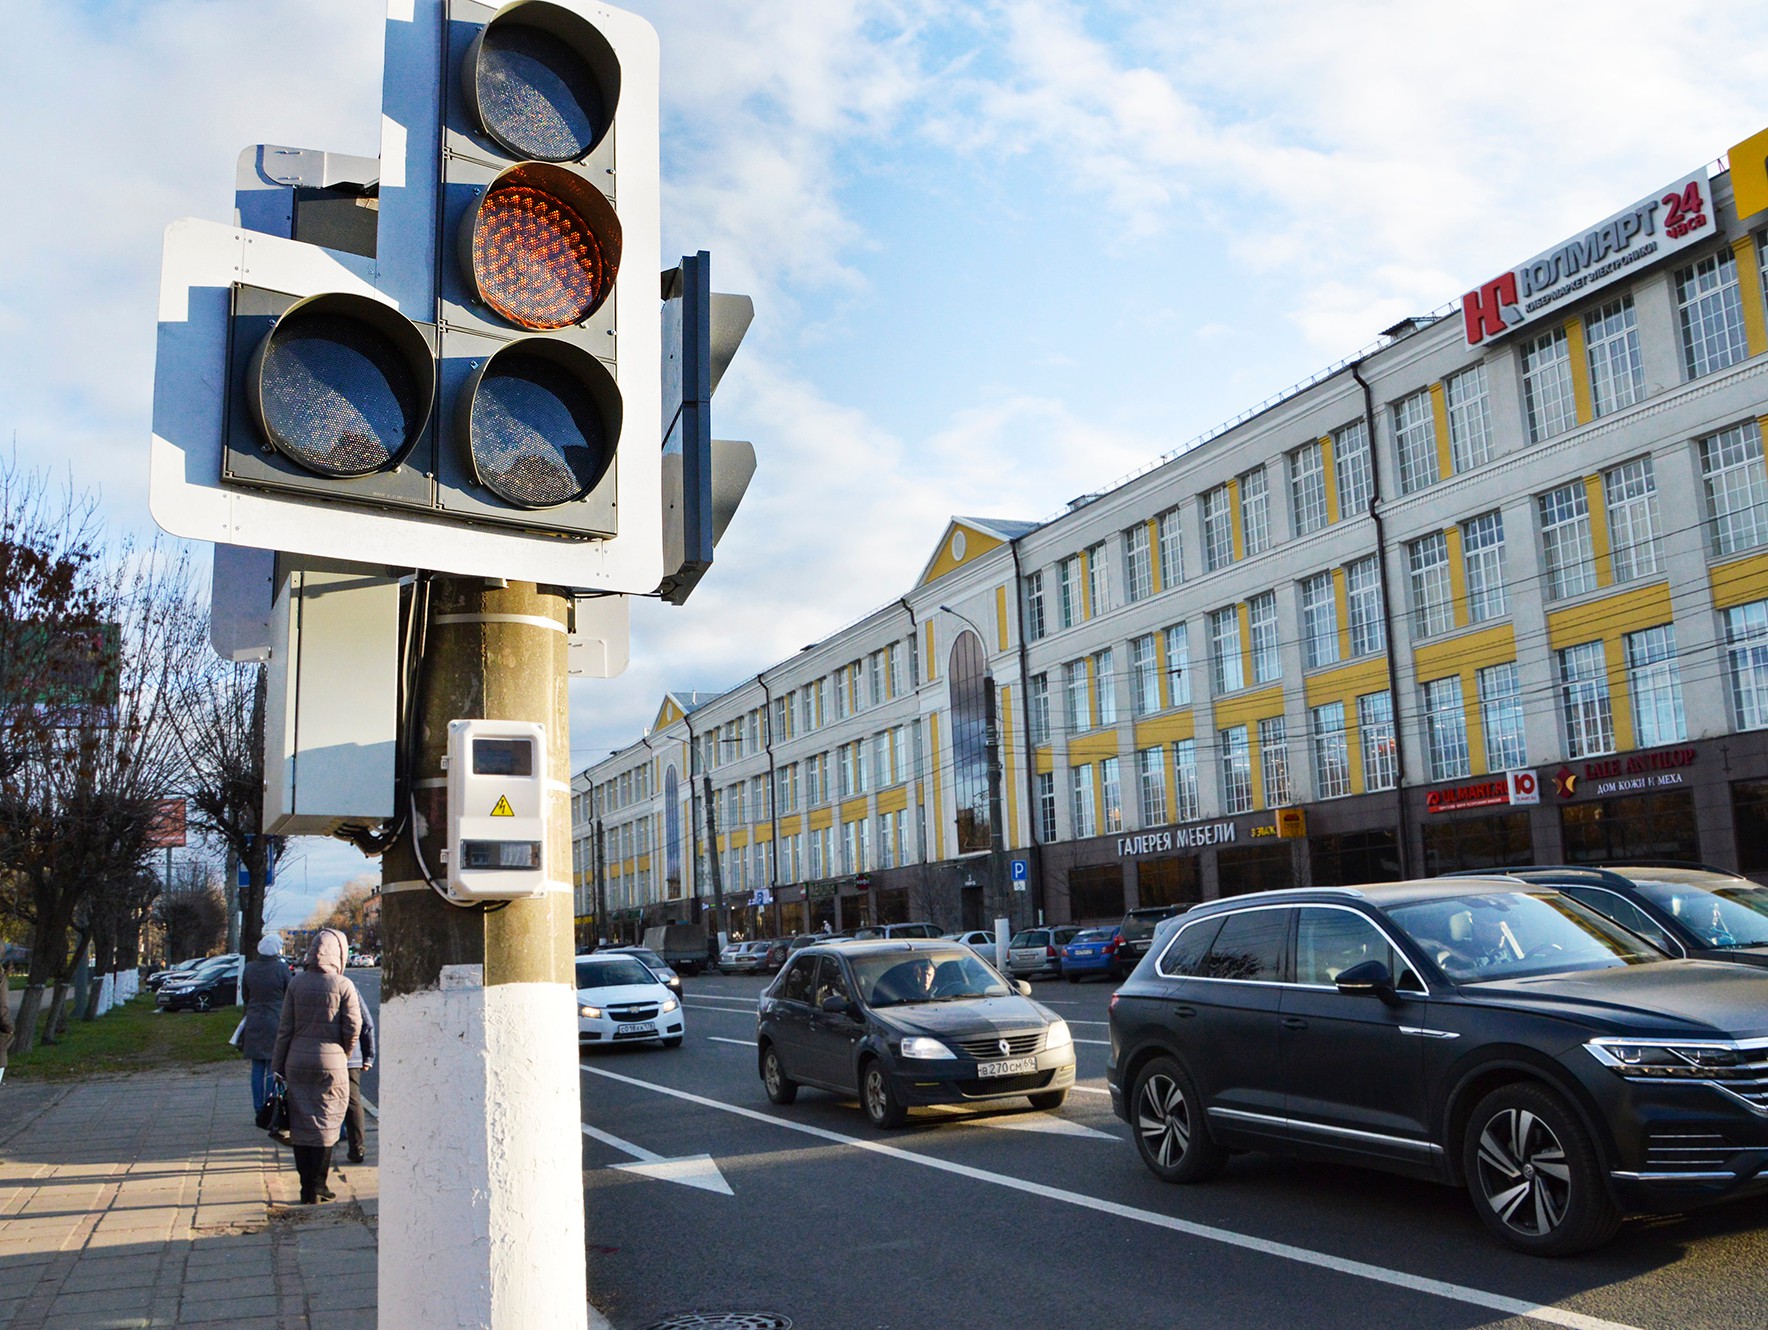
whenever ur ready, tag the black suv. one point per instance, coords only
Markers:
(1481, 1032)
(1137, 932)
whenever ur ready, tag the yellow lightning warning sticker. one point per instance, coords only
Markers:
(503, 808)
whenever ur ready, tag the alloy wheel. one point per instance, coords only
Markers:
(1523, 1172)
(1163, 1120)
(877, 1101)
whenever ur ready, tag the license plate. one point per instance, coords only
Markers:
(635, 1029)
(1011, 1067)
(1086, 951)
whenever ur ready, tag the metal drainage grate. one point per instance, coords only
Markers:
(724, 1321)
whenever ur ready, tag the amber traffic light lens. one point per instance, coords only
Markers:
(535, 258)
(536, 95)
(541, 432)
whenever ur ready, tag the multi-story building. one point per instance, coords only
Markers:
(1494, 591)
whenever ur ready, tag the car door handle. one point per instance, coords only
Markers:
(1294, 1023)
(1184, 1011)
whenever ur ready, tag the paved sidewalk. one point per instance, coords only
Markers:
(152, 1201)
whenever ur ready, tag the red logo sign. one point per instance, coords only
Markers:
(1565, 782)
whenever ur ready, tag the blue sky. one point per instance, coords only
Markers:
(1001, 252)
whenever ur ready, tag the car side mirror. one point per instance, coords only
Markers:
(836, 1006)
(1022, 987)
(1366, 979)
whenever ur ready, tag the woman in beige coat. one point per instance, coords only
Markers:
(321, 1020)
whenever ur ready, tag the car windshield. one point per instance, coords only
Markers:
(1029, 938)
(896, 979)
(1139, 926)
(1511, 934)
(612, 972)
(1721, 910)
(1092, 935)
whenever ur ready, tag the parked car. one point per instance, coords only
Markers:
(1481, 1032)
(212, 984)
(1092, 952)
(1038, 951)
(1137, 931)
(906, 1022)
(925, 930)
(1684, 909)
(620, 1000)
(775, 956)
(665, 975)
(979, 940)
(159, 978)
(743, 957)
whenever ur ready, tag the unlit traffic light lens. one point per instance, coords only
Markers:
(341, 385)
(536, 95)
(540, 432)
(535, 258)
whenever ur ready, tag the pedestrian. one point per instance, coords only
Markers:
(262, 986)
(321, 1022)
(5, 1025)
(361, 1059)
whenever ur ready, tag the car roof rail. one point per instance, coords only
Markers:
(1549, 874)
(1692, 865)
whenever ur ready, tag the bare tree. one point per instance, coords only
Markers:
(195, 920)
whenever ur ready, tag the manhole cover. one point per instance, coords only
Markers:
(724, 1321)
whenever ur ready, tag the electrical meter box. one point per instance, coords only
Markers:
(496, 810)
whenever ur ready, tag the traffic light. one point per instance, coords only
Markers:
(480, 395)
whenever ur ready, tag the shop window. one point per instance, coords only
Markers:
(1255, 868)
(1173, 879)
(1500, 840)
(1749, 808)
(1641, 826)
(1355, 857)
(1096, 893)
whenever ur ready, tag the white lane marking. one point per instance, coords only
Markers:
(1228, 1237)
(1047, 1123)
(746, 1043)
(1103, 1043)
(1091, 1089)
(369, 1105)
(691, 1170)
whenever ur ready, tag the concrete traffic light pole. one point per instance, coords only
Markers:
(481, 1221)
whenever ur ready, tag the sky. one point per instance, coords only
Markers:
(1002, 252)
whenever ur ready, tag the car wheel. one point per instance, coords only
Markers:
(878, 1096)
(1071, 978)
(1534, 1175)
(1171, 1135)
(674, 1041)
(1048, 1099)
(781, 1088)
(202, 1002)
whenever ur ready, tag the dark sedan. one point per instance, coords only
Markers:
(215, 984)
(902, 1023)
(1481, 1032)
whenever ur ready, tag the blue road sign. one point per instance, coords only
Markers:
(1021, 870)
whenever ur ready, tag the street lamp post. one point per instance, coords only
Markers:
(999, 904)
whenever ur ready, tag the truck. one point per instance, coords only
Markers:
(683, 947)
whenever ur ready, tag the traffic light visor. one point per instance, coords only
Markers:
(542, 422)
(341, 385)
(542, 82)
(542, 247)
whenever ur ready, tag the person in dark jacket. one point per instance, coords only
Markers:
(262, 986)
(321, 1022)
(361, 1059)
(5, 1028)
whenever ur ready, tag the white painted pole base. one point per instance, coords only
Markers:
(481, 1214)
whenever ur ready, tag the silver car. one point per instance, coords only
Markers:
(744, 957)
(1035, 952)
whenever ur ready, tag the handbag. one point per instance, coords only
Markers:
(274, 1116)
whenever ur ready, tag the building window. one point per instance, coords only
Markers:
(1375, 728)
(1218, 529)
(1227, 667)
(1445, 728)
(1350, 459)
(1188, 803)
(1746, 640)
(1105, 685)
(1037, 693)
(1565, 541)
(1151, 786)
(1138, 567)
(1470, 419)
(1267, 659)
(1611, 340)
(1332, 759)
(1630, 493)
(1077, 712)
(1583, 680)
(1111, 792)
(1034, 606)
(1178, 666)
(1172, 553)
(1433, 602)
(1236, 758)
(1710, 308)
(1082, 813)
(1273, 757)
(1144, 676)
(1319, 621)
(1068, 591)
(1046, 806)
(1737, 490)
(1547, 385)
(1255, 512)
(1098, 579)
(1362, 584)
(1307, 488)
(1482, 557)
(1415, 441)
(1500, 715)
(1655, 686)
(875, 679)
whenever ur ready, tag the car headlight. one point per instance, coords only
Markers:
(1057, 1036)
(920, 1046)
(671, 1005)
(594, 1013)
(1641, 1060)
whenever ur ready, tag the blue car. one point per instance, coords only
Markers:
(1092, 951)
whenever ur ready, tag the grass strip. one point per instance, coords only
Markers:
(132, 1037)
